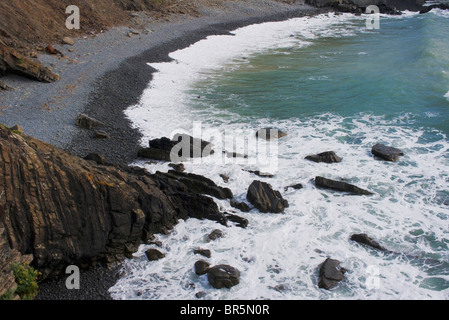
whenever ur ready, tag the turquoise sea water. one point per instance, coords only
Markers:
(331, 84)
(401, 69)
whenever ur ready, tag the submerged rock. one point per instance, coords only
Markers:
(386, 152)
(296, 186)
(364, 239)
(322, 182)
(330, 274)
(327, 157)
(215, 234)
(223, 275)
(239, 221)
(264, 198)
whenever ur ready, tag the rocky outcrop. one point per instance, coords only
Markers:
(223, 275)
(264, 198)
(327, 157)
(65, 210)
(180, 148)
(342, 186)
(386, 152)
(12, 61)
(330, 274)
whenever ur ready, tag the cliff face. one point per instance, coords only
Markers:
(65, 210)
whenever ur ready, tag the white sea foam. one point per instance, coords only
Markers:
(447, 95)
(407, 213)
(166, 98)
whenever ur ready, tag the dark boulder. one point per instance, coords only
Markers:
(223, 275)
(201, 184)
(201, 267)
(261, 174)
(364, 239)
(270, 133)
(239, 221)
(242, 206)
(327, 157)
(180, 148)
(204, 252)
(330, 274)
(386, 152)
(296, 186)
(264, 198)
(325, 183)
(154, 254)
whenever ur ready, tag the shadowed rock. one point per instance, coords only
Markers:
(270, 133)
(180, 148)
(12, 61)
(330, 274)
(201, 267)
(154, 254)
(385, 152)
(223, 275)
(64, 210)
(242, 206)
(264, 198)
(201, 184)
(325, 183)
(327, 157)
(239, 221)
(364, 239)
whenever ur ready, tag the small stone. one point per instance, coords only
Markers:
(68, 40)
(87, 122)
(100, 134)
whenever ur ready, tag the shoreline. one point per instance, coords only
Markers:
(108, 95)
(106, 74)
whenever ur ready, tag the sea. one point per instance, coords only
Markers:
(332, 82)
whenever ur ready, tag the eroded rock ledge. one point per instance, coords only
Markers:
(65, 210)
